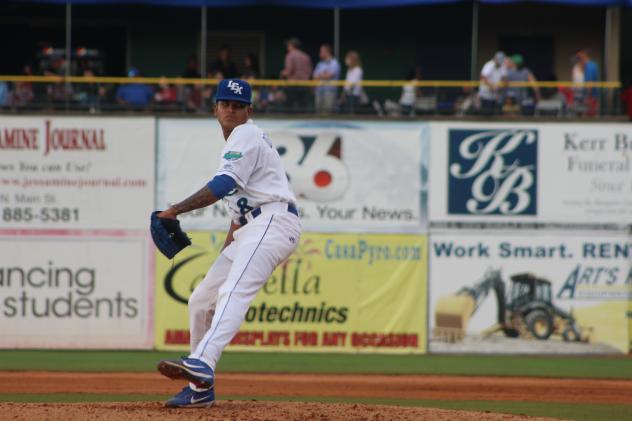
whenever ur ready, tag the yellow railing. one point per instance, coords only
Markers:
(305, 83)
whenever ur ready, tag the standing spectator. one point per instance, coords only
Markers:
(23, 93)
(327, 69)
(192, 69)
(591, 74)
(251, 66)
(298, 66)
(493, 75)
(223, 64)
(518, 96)
(352, 93)
(134, 95)
(410, 92)
(192, 94)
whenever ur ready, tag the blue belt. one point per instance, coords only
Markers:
(257, 211)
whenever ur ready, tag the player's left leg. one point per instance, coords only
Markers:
(260, 248)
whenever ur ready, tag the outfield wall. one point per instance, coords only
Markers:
(399, 219)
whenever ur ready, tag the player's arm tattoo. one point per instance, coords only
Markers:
(201, 199)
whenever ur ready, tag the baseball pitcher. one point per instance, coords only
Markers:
(264, 231)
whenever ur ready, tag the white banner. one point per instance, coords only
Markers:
(76, 172)
(521, 172)
(76, 292)
(347, 176)
(573, 290)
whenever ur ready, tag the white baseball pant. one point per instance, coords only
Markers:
(219, 303)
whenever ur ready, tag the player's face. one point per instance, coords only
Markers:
(231, 114)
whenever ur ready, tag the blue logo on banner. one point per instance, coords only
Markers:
(492, 172)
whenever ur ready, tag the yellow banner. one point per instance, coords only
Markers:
(336, 293)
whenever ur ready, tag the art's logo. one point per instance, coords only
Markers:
(235, 87)
(492, 172)
(313, 163)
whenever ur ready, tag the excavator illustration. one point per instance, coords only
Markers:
(527, 311)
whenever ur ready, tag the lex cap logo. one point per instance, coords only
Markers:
(234, 86)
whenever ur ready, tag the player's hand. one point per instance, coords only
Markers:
(168, 214)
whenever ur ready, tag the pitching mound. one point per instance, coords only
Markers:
(238, 410)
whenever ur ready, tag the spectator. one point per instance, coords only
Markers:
(327, 69)
(517, 97)
(410, 92)
(493, 74)
(223, 64)
(5, 94)
(23, 93)
(353, 94)
(192, 69)
(134, 95)
(192, 94)
(591, 74)
(166, 95)
(298, 66)
(56, 92)
(88, 94)
(626, 98)
(251, 67)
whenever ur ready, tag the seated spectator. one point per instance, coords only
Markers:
(493, 74)
(167, 95)
(23, 93)
(5, 94)
(251, 67)
(626, 98)
(134, 95)
(192, 69)
(57, 92)
(88, 94)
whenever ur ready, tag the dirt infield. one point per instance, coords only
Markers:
(240, 410)
(332, 385)
(296, 386)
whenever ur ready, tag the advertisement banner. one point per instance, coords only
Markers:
(76, 172)
(521, 172)
(530, 293)
(76, 292)
(347, 176)
(336, 293)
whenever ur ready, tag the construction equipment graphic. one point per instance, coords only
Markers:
(527, 311)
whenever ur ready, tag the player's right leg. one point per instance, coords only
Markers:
(202, 304)
(203, 300)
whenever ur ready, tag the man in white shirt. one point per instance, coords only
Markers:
(264, 231)
(493, 74)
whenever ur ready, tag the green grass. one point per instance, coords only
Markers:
(473, 365)
(574, 411)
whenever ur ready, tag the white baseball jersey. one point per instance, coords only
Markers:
(253, 162)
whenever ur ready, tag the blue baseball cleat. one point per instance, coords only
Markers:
(189, 398)
(194, 370)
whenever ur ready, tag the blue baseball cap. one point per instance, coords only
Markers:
(234, 90)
